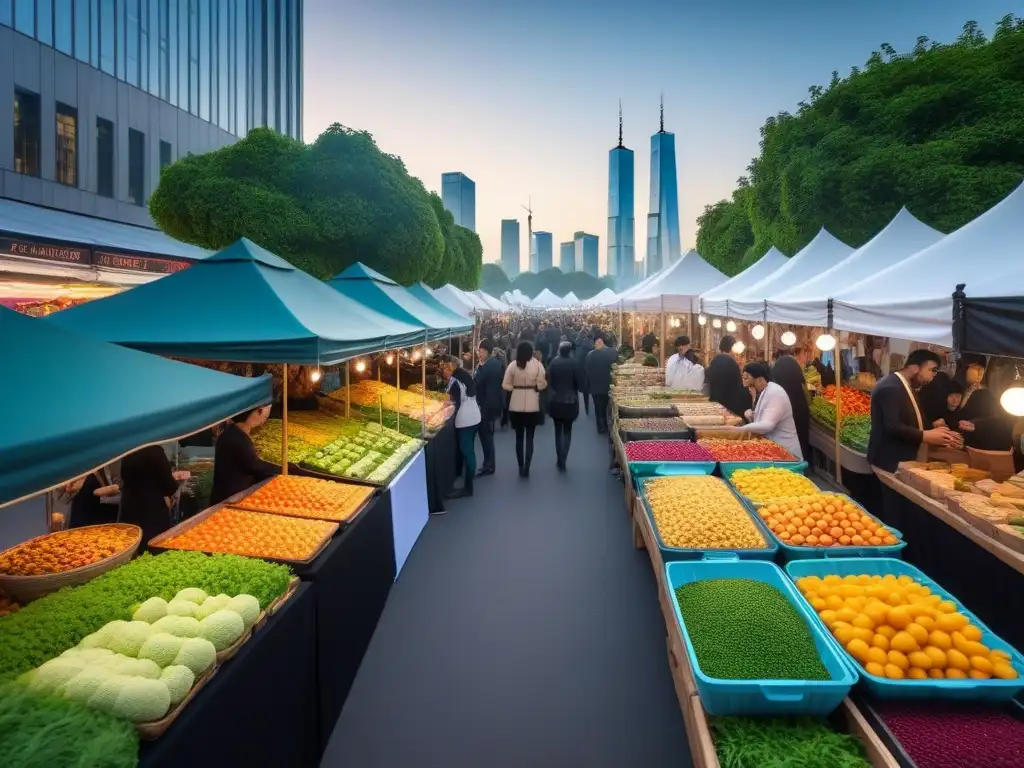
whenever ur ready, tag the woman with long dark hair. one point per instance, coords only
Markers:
(524, 379)
(563, 403)
(786, 372)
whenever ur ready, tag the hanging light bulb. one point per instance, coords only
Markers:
(360, 366)
(429, 353)
(757, 331)
(738, 348)
(788, 338)
(416, 356)
(702, 320)
(315, 376)
(730, 326)
(826, 342)
(716, 323)
(390, 359)
(1013, 400)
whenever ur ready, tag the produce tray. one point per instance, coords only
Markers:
(156, 543)
(276, 604)
(243, 503)
(984, 690)
(654, 412)
(629, 436)
(728, 467)
(154, 729)
(641, 469)
(762, 697)
(902, 759)
(303, 471)
(669, 554)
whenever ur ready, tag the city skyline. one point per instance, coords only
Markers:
(663, 243)
(458, 194)
(541, 251)
(621, 212)
(511, 256)
(567, 256)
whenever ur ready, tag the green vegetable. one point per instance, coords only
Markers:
(747, 630)
(854, 431)
(222, 628)
(49, 626)
(43, 732)
(141, 699)
(794, 742)
(179, 626)
(162, 648)
(179, 680)
(197, 653)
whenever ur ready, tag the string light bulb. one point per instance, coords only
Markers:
(738, 348)
(429, 353)
(702, 320)
(788, 338)
(716, 323)
(315, 376)
(1012, 399)
(757, 331)
(360, 366)
(730, 326)
(390, 359)
(826, 342)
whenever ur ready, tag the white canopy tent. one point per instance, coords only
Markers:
(605, 298)
(546, 299)
(570, 300)
(492, 303)
(823, 252)
(913, 299)
(634, 289)
(677, 288)
(460, 301)
(715, 301)
(807, 303)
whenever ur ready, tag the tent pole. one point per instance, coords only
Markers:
(398, 386)
(423, 383)
(348, 388)
(284, 420)
(664, 346)
(839, 398)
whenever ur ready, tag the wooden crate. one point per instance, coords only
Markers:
(644, 538)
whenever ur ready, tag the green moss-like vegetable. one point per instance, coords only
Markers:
(43, 732)
(793, 742)
(49, 626)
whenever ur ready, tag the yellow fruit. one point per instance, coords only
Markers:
(877, 612)
(846, 614)
(968, 647)
(844, 634)
(878, 670)
(940, 640)
(818, 604)
(971, 632)
(956, 660)
(919, 659)
(880, 641)
(863, 621)
(886, 630)
(916, 673)
(828, 616)
(937, 655)
(951, 622)
(878, 656)
(919, 633)
(898, 659)
(1004, 671)
(926, 621)
(955, 674)
(899, 617)
(998, 655)
(981, 664)
(937, 673)
(893, 672)
(859, 650)
(946, 607)
(904, 643)
(977, 674)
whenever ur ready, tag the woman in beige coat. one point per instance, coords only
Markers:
(524, 379)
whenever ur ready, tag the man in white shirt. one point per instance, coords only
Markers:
(772, 415)
(682, 370)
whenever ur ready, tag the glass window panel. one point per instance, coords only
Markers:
(107, 27)
(193, 57)
(165, 154)
(132, 41)
(44, 21)
(67, 145)
(104, 157)
(155, 21)
(94, 32)
(120, 41)
(241, 28)
(183, 54)
(171, 57)
(136, 166)
(296, 35)
(203, 73)
(26, 132)
(270, 65)
(6, 14)
(143, 44)
(25, 17)
(64, 26)
(82, 30)
(223, 54)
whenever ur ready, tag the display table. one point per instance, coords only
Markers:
(440, 459)
(981, 572)
(409, 507)
(849, 459)
(259, 708)
(351, 581)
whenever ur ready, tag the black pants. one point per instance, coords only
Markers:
(486, 434)
(601, 412)
(524, 445)
(585, 398)
(504, 409)
(563, 439)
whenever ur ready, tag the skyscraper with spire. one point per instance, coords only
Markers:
(621, 216)
(663, 242)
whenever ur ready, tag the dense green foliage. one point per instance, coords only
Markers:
(321, 206)
(790, 742)
(494, 281)
(939, 130)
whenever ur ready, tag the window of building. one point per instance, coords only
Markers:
(182, 31)
(171, 57)
(44, 21)
(133, 23)
(165, 154)
(26, 132)
(193, 57)
(238, 91)
(107, 29)
(104, 157)
(119, 45)
(223, 11)
(64, 26)
(94, 31)
(204, 74)
(136, 166)
(6, 18)
(25, 17)
(67, 145)
(154, 22)
(82, 31)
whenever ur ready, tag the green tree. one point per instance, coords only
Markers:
(939, 130)
(321, 206)
(493, 280)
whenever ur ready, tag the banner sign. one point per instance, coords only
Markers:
(66, 254)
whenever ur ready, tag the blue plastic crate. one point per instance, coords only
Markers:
(677, 553)
(728, 467)
(728, 471)
(762, 697)
(669, 468)
(986, 690)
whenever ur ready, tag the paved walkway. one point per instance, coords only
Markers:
(524, 632)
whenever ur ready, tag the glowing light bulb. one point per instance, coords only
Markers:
(390, 359)
(360, 366)
(730, 326)
(315, 376)
(429, 353)
(757, 332)
(701, 320)
(1013, 401)
(788, 338)
(738, 347)
(716, 323)
(826, 342)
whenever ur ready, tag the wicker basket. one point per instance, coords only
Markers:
(25, 589)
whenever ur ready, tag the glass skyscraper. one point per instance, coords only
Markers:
(621, 206)
(585, 249)
(541, 252)
(510, 247)
(458, 193)
(567, 256)
(663, 242)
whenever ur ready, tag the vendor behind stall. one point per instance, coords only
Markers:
(148, 489)
(236, 465)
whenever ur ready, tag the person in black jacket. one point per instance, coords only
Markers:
(725, 381)
(786, 372)
(599, 379)
(898, 427)
(563, 403)
(236, 465)
(584, 345)
(491, 399)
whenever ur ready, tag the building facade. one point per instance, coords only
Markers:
(585, 251)
(541, 252)
(458, 193)
(97, 96)
(621, 214)
(567, 256)
(510, 247)
(663, 241)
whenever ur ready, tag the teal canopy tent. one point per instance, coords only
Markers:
(71, 404)
(384, 295)
(243, 304)
(423, 293)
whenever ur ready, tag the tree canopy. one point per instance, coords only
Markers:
(939, 130)
(494, 281)
(321, 206)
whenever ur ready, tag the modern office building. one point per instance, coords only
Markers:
(585, 247)
(510, 247)
(541, 252)
(567, 256)
(621, 216)
(458, 193)
(663, 242)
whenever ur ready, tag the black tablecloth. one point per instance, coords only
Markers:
(986, 586)
(440, 458)
(351, 581)
(259, 709)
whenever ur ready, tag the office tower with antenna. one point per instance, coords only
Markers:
(621, 213)
(663, 241)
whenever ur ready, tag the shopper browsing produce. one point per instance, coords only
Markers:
(462, 391)
(787, 373)
(725, 382)
(772, 416)
(236, 463)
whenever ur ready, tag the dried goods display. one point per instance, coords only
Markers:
(825, 520)
(754, 449)
(743, 629)
(700, 512)
(307, 497)
(66, 550)
(763, 484)
(755, 742)
(255, 534)
(7, 605)
(666, 450)
(419, 391)
(941, 734)
(669, 424)
(268, 440)
(896, 628)
(375, 394)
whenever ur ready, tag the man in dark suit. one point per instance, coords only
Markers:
(583, 347)
(490, 398)
(898, 424)
(598, 369)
